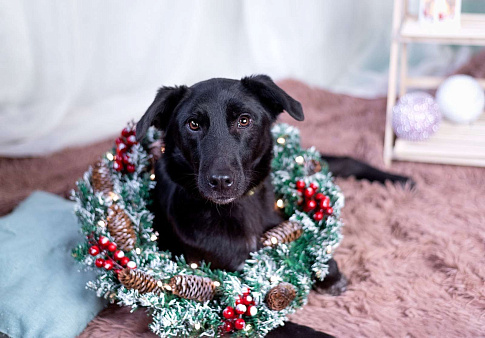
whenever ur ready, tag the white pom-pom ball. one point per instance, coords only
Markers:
(461, 99)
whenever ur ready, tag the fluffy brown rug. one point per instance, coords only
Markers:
(415, 258)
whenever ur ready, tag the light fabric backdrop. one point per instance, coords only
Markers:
(73, 72)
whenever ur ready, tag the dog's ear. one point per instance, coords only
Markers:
(160, 110)
(272, 97)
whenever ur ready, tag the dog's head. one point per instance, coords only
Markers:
(217, 133)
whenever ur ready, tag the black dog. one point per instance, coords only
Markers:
(214, 197)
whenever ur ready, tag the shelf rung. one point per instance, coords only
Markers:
(430, 82)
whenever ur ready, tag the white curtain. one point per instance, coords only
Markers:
(73, 72)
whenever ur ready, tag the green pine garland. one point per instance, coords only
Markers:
(300, 263)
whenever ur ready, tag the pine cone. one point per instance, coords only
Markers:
(192, 287)
(286, 232)
(121, 228)
(313, 167)
(280, 296)
(101, 178)
(138, 280)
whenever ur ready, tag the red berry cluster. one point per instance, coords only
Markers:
(244, 305)
(314, 201)
(110, 256)
(122, 160)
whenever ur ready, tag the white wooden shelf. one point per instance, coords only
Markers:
(470, 32)
(453, 143)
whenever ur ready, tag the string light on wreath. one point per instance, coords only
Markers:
(188, 298)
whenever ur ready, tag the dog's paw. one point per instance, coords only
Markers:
(334, 289)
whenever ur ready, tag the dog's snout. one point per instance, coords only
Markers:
(221, 181)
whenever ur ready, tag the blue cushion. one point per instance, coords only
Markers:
(42, 290)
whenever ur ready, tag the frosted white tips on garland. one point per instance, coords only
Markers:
(281, 140)
(197, 326)
(299, 159)
(153, 237)
(101, 223)
(138, 251)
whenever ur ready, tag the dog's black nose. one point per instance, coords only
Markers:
(220, 182)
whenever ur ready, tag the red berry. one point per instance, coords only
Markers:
(131, 265)
(130, 168)
(119, 255)
(94, 250)
(131, 140)
(124, 260)
(239, 324)
(329, 210)
(117, 271)
(228, 327)
(228, 312)
(324, 202)
(246, 290)
(247, 299)
(125, 158)
(119, 140)
(99, 262)
(309, 205)
(121, 148)
(308, 192)
(111, 247)
(117, 165)
(239, 301)
(319, 196)
(126, 132)
(252, 310)
(103, 241)
(240, 309)
(108, 264)
(314, 186)
(300, 185)
(318, 216)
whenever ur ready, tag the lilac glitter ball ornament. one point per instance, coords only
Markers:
(416, 116)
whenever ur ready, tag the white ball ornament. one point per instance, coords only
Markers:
(461, 99)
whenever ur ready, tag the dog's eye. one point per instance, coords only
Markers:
(194, 125)
(244, 121)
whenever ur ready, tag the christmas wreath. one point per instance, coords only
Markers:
(112, 205)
